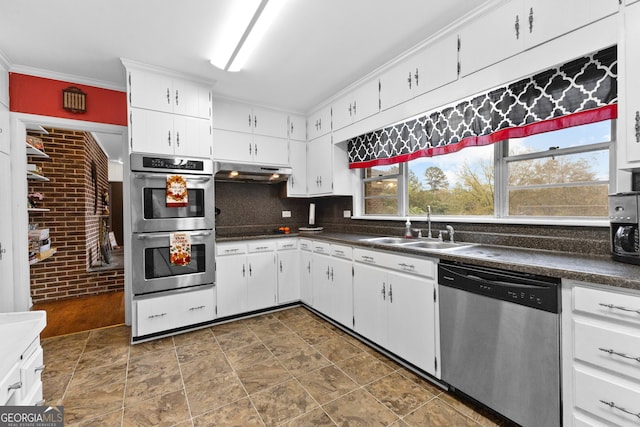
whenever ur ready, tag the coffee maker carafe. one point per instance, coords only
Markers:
(624, 214)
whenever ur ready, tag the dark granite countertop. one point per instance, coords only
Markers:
(236, 237)
(588, 268)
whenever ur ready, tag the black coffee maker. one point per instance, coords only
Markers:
(624, 214)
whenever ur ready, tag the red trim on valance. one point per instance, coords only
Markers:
(607, 112)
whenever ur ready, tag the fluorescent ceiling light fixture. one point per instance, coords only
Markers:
(263, 17)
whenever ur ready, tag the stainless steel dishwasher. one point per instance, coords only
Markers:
(500, 340)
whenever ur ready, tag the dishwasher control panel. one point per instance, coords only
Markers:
(520, 288)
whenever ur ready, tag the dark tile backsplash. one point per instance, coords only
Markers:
(248, 208)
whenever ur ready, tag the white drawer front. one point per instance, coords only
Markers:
(419, 266)
(306, 244)
(231, 249)
(174, 311)
(287, 244)
(595, 394)
(10, 385)
(609, 348)
(342, 251)
(261, 246)
(369, 257)
(321, 247)
(31, 371)
(612, 305)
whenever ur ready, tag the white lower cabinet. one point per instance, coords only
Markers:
(601, 349)
(22, 384)
(245, 276)
(306, 276)
(160, 313)
(288, 266)
(332, 282)
(397, 309)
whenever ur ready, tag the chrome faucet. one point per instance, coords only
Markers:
(429, 236)
(450, 230)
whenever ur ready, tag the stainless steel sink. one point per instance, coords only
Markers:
(435, 244)
(387, 240)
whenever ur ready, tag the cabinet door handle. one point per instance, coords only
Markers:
(626, 356)
(250, 150)
(243, 271)
(517, 27)
(619, 408)
(416, 77)
(39, 368)
(280, 266)
(531, 20)
(409, 80)
(255, 121)
(637, 126)
(177, 139)
(350, 111)
(332, 274)
(320, 123)
(200, 307)
(617, 307)
(153, 316)
(15, 386)
(354, 108)
(168, 97)
(249, 120)
(169, 138)
(292, 128)
(177, 97)
(255, 149)
(250, 270)
(390, 293)
(384, 291)
(309, 267)
(2, 251)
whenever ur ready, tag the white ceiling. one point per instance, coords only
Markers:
(314, 49)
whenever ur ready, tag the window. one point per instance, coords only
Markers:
(381, 190)
(556, 174)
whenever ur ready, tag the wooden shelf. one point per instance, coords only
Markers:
(44, 255)
(38, 210)
(36, 177)
(33, 151)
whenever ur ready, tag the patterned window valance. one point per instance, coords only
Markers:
(576, 93)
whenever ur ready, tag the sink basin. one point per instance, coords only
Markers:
(435, 244)
(17, 331)
(387, 240)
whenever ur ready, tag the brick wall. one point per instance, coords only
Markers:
(73, 224)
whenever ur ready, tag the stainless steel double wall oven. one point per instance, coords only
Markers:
(153, 221)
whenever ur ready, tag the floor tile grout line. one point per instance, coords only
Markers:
(184, 386)
(248, 396)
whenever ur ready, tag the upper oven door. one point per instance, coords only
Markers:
(153, 271)
(149, 211)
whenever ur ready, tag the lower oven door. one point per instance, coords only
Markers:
(153, 271)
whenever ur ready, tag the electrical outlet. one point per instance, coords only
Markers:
(346, 214)
(286, 214)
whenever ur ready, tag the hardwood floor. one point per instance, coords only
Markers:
(82, 314)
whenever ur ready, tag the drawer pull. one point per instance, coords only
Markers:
(290, 245)
(200, 307)
(153, 316)
(617, 307)
(15, 386)
(261, 248)
(368, 259)
(626, 411)
(39, 368)
(409, 267)
(626, 356)
(339, 252)
(226, 251)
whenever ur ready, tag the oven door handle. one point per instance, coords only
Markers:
(189, 178)
(143, 236)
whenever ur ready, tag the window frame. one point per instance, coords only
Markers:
(501, 188)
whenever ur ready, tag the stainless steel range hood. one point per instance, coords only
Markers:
(247, 172)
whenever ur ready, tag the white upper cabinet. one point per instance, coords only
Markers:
(433, 66)
(297, 182)
(297, 128)
(4, 129)
(522, 24)
(4, 87)
(238, 117)
(630, 106)
(159, 92)
(319, 123)
(357, 105)
(165, 133)
(249, 134)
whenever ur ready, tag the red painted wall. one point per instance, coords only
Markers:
(42, 96)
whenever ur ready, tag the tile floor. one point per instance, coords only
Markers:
(287, 368)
